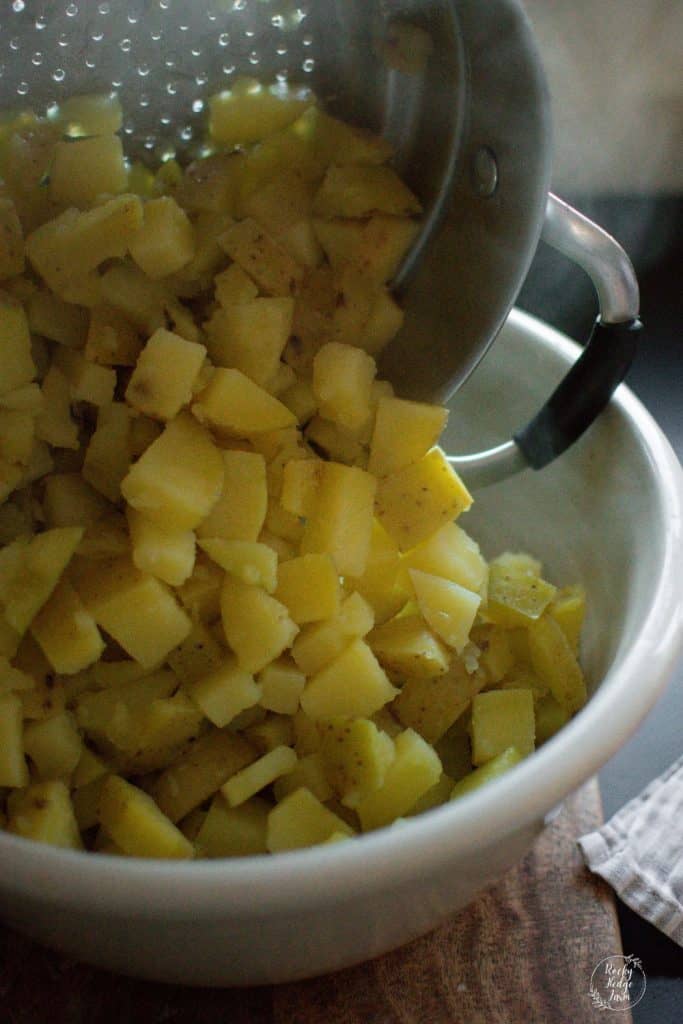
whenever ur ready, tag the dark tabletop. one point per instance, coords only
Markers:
(650, 229)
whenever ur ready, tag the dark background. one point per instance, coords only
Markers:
(650, 230)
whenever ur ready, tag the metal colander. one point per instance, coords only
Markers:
(457, 87)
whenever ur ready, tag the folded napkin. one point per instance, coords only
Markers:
(640, 853)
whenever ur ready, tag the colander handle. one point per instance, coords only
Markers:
(601, 367)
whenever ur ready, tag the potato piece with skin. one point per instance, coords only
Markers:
(200, 772)
(431, 706)
(66, 631)
(309, 587)
(354, 683)
(234, 831)
(407, 649)
(341, 522)
(167, 554)
(493, 769)
(11, 241)
(354, 190)
(83, 169)
(516, 597)
(553, 660)
(257, 627)
(249, 111)
(44, 812)
(256, 776)
(246, 560)
(147, 738)
(448, 608)
(302, 820)
(404, 432)
(414, 770)
(136, 824)
(342, 384)
(178, 479)
(415, 501)
(234, 403)
(164, 375)
(240, 511)
(262, 257)
(355, 755)
(319, 643)
(225, 692)
(251, 336)
(165, 240)
(13, 769)
(502, 719)
(54, 746)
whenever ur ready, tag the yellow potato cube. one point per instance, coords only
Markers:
(553, 660)
(13, 770)
(54, 423)
(246, 560)
(415, 501)
(354, 683)
(136, 824)
(302, 820)
(502, 719)
(404, 433)
(376, 246)
(16, 361)
(251, 336)
(240, 511)
(318, 644)
(13, 679)
(107, 457)
(135, 297)
(234, 403)
(178, 479)
(234, 831)
(379, 584)
(257, 626)
(431, 706)
(27, 398)
(516, 597)
(493, 769)
(300, 400)
(225, 692)
(137, 610)
(51, 317)
(87, 381)
(165, 241)
(385, 321)
(201, 593)
(164, 375)
(198, 654)
(233, 287)
(414, 770)
(451, 553)
(356, 190)
(53, 745)
(44, 812)
(37, 573)
(281, 687)
(309, 587)
(91, 114)
(568, 608)
(407, 649)
(497, 657)
(90, 767)
(550, 718)
(11, 241)
(262, 257)
(448, 608)
(355, 755)
(83, 169)
(112, 340)
(66, 631)
(166, 554)
(249, 111)
(341, 522)
(307, 772)
(16, 436)
(300, 482)
(342, 384)
(199, 773)
(256, 776)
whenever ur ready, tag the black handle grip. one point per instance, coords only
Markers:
(583, 393)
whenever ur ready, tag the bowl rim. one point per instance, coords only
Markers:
(255, 886)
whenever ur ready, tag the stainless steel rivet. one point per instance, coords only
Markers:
(484, 172)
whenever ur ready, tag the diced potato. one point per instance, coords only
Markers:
(415, 501)
(451, 553)
(148, 737)
(112, 340)
(199, 773)
(54, 423)
(413, 771)
(106, 538)
(87, 381)
(497, 657)
(502, 719)
(266, 731)
(209, 184)
(234, 831)
(550, 718)
(379, 584)
(16, 436)
(13, 770)
(139, 300)
(166, 554)
(83, 169)
(300, 400)
(201, 593)
(136, 609)
(251, 336)
(225, 692)
(27, 398)
(234, 403)
(318, 644)
(302, 820)
(385, 321)
(249, 111)
(281, 687)
(86, 803)
(256, 776)
(257, 626)
(91, 114)
(143, 431)
(342, 384)
(404, 433)
(240, 511)
(554, 662)
(307, 772)
(51, 317)
(136, 824)
(16, 361)
(90, 767)
(97, 710)
(233, 287)
(11, 240)
(178, 479)
(262, 257)
(107, 457)
(407, 649)
(35, 577)
(165, 240)
(309, 587)
(67, 632)
(431, 706)
(448, 608)
(44, 812)
(434, 797)
(198, 655)
(164, 375)
(13, 680)
(341, 522)
(516, 597)
(354, 683)
(568, 608)
(355, 755)
(355, 296)
(54, 746)
(376, 246)
(300, 482)
(493, 769)
(354, 190)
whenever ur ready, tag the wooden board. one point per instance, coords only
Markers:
(523, 953)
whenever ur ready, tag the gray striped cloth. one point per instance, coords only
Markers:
(640, 853)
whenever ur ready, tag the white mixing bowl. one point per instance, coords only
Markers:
(608, 513)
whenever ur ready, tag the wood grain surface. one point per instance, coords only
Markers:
(523, 953)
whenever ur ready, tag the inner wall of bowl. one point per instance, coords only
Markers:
(591, 516)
